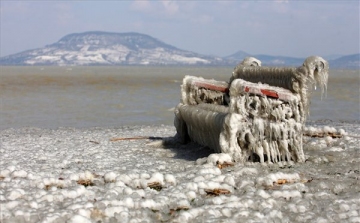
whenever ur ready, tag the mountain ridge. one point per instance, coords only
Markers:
(132, 48)
(346, 61)
(105, 48)
(122, 38)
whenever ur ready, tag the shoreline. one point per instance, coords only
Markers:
(80, 175)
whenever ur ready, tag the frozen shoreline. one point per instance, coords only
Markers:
(81, 175)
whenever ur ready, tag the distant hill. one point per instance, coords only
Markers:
(349, 61)
(239, 55)
(268, 60)
(107, 48)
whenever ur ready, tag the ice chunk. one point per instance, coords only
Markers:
(79, 219)
(19, 173)
(157, 177)
(110, 177)
(219, 158)
(286, 194)
(170, 179)
(15, 194)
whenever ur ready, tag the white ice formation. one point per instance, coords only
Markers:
(56, 176)
(259, 115)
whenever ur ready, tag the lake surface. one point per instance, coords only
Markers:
(52, 97)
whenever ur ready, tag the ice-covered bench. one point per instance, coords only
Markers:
(258, 115)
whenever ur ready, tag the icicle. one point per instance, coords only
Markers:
(318, 70)
(266, 149)
(259, 128)
(283, 147)
(273, 151)
(260, 152)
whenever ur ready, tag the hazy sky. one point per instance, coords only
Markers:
(277, 27)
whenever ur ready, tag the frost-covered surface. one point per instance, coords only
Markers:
(252, 123)
(267, 110)
(300, 80)
(81, 175)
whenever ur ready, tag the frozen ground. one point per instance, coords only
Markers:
(84, 175)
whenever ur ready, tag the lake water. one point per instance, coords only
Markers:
(52, 97)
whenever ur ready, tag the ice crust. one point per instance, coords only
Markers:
(300, 80)
(261, 111)
(250, 124)
(42, 175)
